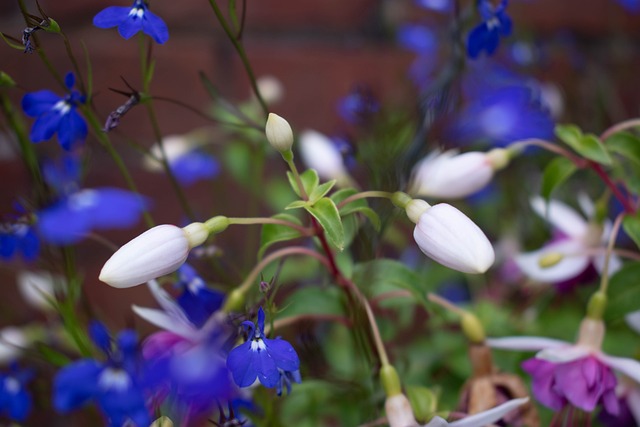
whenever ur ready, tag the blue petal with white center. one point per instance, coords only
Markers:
(261, 358)
(196, 300)
(130, 20)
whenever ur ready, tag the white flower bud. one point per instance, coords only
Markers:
(449, 237)
(399, 412)
(279, 133)
(37, 289)
(415, 208)
(156, 252)
(450, 175)
(12, 342)
(319, 153)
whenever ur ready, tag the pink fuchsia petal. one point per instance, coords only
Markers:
(629, 367)
(573, 262)
(526, 343)
(587, 382)
(492, 415)
(564, 354)
(544, 383)
(561, 216)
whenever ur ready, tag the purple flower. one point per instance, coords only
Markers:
(116, 384)
(262, 358)
(359, 106)
(486, 36)
(437, 5)
(423, 41)
(196, 300)
(56, 115)
(130, 20)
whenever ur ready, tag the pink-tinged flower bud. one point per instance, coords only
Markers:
(399, 412)
(449, 237)
(279, 133)
(450, 175)
(156, 252)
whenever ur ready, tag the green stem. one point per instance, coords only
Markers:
(619, 127)
(364, 195)
(260, 220)
(296, 175)
(604, 282)
(76, 67)
(241, 52)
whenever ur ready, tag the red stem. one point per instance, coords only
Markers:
(612, 186)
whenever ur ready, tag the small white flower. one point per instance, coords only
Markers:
(279, 133)
(319, 153)
(156, 252)
(449, 175)
(175, 146)
(565, 258)
(37, 288)
(449, 237)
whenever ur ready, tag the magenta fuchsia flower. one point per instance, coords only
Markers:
(580, 244)
(580, 374)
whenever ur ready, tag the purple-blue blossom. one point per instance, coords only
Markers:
(359, 106)
(114, 384)
(196, 300)
(15, 399)
(486, 35)
(56, 114)
(262, 358)
(18, 238)
(130, 20)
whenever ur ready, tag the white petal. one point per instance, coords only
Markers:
(615, 263)
(279, 133)
(319, 153)
(525, 343)
(487, 417)
(399, 412)
(167, 303)
(164, 321)
(12, 344)
(37, 288)
(586, 204)
(561, 217)
(449, 237)
(629, 367)
(436, 422)
(633, 320)
(564, 354)
(573, 263)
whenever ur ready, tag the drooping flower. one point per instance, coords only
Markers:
(262, 358)
(187, 162)
(156, 252)
(579, 244)
(130, 20)
(15, 400)
(81, 211)
(115, 385)
(578, 374)
(56, 114)
(449, 175)
(320, 153)
(486, 35)
(450, 238)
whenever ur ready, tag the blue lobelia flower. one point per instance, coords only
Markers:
(486, 36)
(437, 5)
(194, 166)
(15, 400)
(56, 114)
(196, 300)
(359, 106)
(261, 358)
(80, 211)
(424, 42)
(18, 238)
(630, 5)
(130, 20)
(115, 384)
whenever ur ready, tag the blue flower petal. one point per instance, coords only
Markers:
(37, 103)
(76, 384)
(72, 129)
(69, 80)
(155, 27)
(30, 245)
(122, 402)
(8, 245)
(115, 208)
(283, 354)
(418, 38)
(20, 405)
(194, 166)
(45, 126)
(129, 27)
(477, 40)
(239, 362)
(63, 223)
(111, 16)
(100, 335)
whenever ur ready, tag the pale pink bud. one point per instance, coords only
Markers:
(399, 412)
(450, 175)
(449, 237)
(156, 252)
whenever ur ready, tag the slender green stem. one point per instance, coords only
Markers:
(364, 195)
(74, 62)
(241, 52)
(619, 127)
(604, 281)
(445, 304)
(260, 220)
(296, 175)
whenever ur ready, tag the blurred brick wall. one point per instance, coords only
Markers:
(318, 49)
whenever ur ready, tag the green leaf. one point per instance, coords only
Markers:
(309, 180)
(624, 292)
(625, 144)
(52, 356)
(588, 145)
(359, 205)
(314, 300)
(631, 225)
(384, 275)
(273, 233)
(320, 191)
(556, 172)
(325, 211)
(297, 204)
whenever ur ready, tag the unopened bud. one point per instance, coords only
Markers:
(472, 328)
(415, 208)
(399, 412)
(390, 380)
(217, 224)
(596, 306)
(279, 133)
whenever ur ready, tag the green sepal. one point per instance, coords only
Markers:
(273, 233)
(326, 213)
(556, 172)
(11, 43)
(631, 226)
(320, 191)
(6, 80)
(53, 27)
(309, 180)
(587, 145)
(297, 204)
